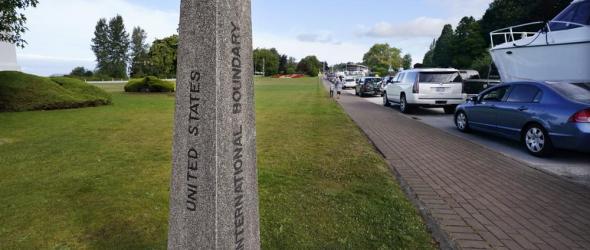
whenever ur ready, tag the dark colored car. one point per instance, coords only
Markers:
(473, 87)
(540, 115)
(368, 86)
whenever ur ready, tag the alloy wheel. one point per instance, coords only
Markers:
(535, 139)
(403, 105)
(461, 121)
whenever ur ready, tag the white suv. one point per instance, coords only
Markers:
(349, 82)
(425, 87)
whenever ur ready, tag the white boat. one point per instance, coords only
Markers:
(560, 51)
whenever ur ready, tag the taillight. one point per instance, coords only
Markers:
(416, 88)
(581, 116)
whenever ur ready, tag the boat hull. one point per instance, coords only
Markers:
(554, 62)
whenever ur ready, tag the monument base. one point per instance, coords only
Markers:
(8, 57)
(9, 67)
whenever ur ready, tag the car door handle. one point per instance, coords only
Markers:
(523, 108)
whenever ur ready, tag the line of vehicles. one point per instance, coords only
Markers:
(543, 100)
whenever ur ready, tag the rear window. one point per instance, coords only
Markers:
(576, 91)
(441, 77)
(350, 80)
(372, 80)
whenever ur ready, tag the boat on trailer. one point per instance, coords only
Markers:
(558, 52)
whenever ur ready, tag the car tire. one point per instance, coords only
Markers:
(450, 109)
(536, 140)
(462, 122)
(356, 93)
(404, 107)
(385, 100)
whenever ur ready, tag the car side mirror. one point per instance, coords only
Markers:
(473, 99)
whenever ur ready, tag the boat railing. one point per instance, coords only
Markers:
(510, 35)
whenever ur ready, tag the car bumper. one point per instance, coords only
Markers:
(349, 85)
(372, 92)
(579, 140)
(433, 101)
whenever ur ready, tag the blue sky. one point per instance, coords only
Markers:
(334, 30)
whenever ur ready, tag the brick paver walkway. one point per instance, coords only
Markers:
(478, 197)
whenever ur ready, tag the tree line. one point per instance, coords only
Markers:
(380, 58)
(467, 45)
(119, 55)
(270, 62)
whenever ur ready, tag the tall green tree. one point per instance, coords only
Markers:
(139, 52)
(443, 52)
(468, 43)
(118, 47)
(407, 61)
(81, 72)
(427, 61)
(283, 60)
(505, 13)
(381, 56)
(163, 57)
(267, 60)
(100, 47)
(310, 65)
(12, 23)
(291, 65)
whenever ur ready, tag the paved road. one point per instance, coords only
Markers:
(472, 196)
(573, 166)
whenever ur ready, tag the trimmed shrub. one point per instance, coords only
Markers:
(149, 84)
(23, 92)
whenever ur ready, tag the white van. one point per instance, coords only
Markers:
(426, 87)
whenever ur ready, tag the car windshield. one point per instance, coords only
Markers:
(577, 91)
(440, 77)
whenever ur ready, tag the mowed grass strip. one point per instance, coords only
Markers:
(322, 185)
(92, 178)
(98, 178)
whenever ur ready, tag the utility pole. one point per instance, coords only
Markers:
(263, 66)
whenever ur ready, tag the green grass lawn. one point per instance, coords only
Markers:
(99, 177)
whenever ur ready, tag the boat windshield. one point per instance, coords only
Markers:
(573, 16)
(577, 91)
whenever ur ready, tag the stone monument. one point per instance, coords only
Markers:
(8, 57)
(214, 194)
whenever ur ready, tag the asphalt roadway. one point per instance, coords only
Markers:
(573, 166)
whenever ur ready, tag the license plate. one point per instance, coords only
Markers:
(439, 89)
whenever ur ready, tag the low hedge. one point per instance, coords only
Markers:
(149, 84)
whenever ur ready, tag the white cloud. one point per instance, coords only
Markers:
(461, 8)
(333, 53)
(62, 29)
(323, 37)
(419, 27)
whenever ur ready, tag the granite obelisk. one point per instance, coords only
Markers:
(214, 194)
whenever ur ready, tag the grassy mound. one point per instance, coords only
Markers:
(149, 84)
(22, 92)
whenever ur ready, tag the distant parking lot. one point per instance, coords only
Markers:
(571, 165)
